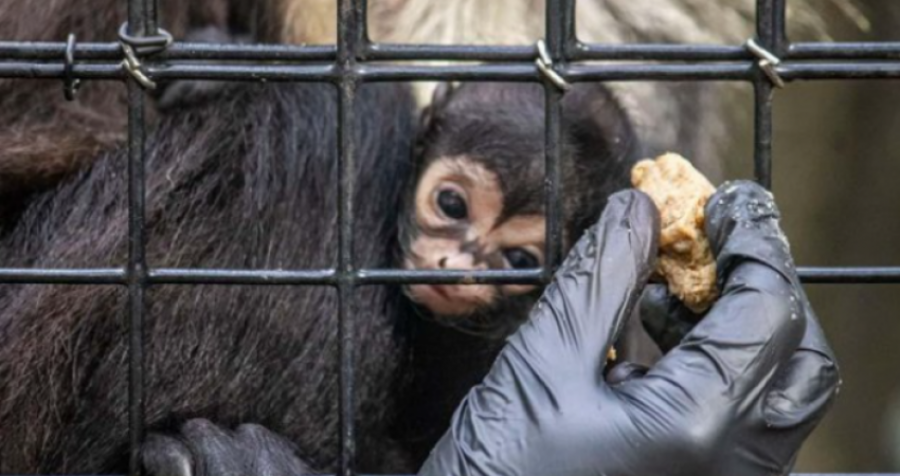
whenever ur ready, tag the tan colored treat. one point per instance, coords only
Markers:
(685, 259)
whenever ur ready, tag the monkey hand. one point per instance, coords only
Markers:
(203, 448)
(737, 395)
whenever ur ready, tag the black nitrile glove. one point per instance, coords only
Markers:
(737, 396)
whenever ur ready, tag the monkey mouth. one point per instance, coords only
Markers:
(442, 300)
(438, 289)
(427, 293)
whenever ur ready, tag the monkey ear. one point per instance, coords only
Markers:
(442, 93)
(605, 145)
(600, 125)
(439, 98)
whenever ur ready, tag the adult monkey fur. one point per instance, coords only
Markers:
(247, 180)
(44, 137)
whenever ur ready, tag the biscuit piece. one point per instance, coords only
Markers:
(685, 260)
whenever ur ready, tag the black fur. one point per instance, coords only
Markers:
(247, 182)
(248, 179)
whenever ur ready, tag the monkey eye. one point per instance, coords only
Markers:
(518, 258)
(452, 205)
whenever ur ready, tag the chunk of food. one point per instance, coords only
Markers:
(685, 260)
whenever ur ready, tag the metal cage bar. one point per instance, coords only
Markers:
(351, 33)
(355, 60)
(670, 70)
(558, 24)
(142, 20)
(762, 94)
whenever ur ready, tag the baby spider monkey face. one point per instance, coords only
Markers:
(460, 224)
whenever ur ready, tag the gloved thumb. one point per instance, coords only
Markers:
(597, 287)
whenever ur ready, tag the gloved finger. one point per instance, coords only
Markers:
(742, 223)
(797, 401)
(166, 456)
(749, 333)
(596, 288)
(758, 323)
(666, 318)
(803, 391)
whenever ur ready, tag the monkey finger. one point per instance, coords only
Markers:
(595, 290)
(269, 454)
(213, 449)
(166, 456)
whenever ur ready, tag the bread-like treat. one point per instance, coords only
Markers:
(685, 260)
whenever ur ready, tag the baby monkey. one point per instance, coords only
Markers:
(478, 200)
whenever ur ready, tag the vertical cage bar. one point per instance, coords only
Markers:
(349, 42)
(762, 132)
(780, 42)
(141, 20)
(136, 273)
(555, 35)
(151, 17)
(569, 32)
(361, 38)
(762, 94)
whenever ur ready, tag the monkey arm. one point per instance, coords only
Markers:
(738, 395)
(41, 146)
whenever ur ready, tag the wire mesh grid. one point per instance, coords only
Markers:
(355, 60)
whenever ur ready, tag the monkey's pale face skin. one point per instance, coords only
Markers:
(458, 206)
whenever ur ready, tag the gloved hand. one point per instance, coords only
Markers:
(736, 396)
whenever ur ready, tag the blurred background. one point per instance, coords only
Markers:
(837, 180)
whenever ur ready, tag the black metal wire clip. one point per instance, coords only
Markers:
(135, 47)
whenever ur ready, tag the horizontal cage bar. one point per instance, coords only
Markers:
(88, 51)
(487, 72)
(329, 277)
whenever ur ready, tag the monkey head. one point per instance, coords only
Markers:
(478, 200)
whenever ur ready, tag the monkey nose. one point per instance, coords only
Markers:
(457, 261)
